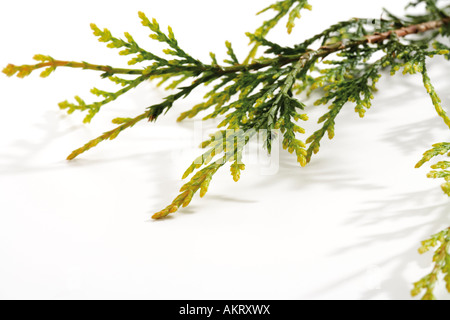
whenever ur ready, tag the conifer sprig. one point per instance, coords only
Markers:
(344, 62)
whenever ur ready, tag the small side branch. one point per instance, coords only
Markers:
(51, 65)
(403, 32)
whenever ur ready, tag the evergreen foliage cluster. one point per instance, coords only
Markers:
(261, 91)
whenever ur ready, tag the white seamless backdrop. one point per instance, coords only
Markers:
(346, 227)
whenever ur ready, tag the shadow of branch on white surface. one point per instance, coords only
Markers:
(404, 216)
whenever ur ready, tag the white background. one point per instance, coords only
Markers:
(346, 227)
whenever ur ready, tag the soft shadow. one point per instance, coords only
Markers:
(408, 137)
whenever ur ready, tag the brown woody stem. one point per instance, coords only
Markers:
(413, 29)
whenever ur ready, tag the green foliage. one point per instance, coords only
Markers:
(441, 240)
(440, 46)
(342, 63)
(441, 261)
(200, 181)
(440, 172)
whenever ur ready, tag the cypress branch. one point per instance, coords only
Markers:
(263, 93)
